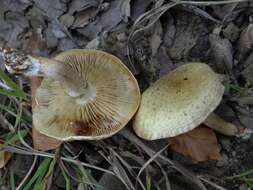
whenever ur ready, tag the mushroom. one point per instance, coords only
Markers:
(85, 94)
(178, 102)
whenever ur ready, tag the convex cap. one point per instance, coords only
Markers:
(178, 102)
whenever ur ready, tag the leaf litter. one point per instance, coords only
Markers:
(151, 38)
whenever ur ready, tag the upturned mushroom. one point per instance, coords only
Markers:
(85, 94)
(178, 102)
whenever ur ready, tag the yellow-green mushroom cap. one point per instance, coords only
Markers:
(110, 100)
(178, 102)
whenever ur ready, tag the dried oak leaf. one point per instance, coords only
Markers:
(200, 144)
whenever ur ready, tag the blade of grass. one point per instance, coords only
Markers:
(241, 174)
(67, 180)
(39, 174)
(17, 92)
(26, 119)
(249, 181)
(28, 174)
(12, 179)
(14, 138)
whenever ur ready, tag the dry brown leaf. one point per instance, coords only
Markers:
(4, 157)
(41, 141)
(200, 144)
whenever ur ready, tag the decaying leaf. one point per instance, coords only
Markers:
(138, 7)
(52, 9)
(200, 144)
(222, 51)
(93, 44)
(83, 18)
(247, 73)
(77, 5)
(43, 142)
(4, 157)
(215, 122)
(155, 39)
(67, 20)
(113, 16)
(125, 10)
(35, 43)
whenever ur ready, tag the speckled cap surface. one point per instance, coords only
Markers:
(178, 102)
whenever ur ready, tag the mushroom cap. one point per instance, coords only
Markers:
(117, 98)
(178, 102)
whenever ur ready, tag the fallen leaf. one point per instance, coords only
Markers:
(247, 74)
(155, 40)
(67, 20)
(169, 31)
(165, 62)
(38, 138)
(66, 44)
(35, 43)
(36, 18)
(246, 40)
(83, 18)
(4, 157)
(77, 5)
(52, 9)
(19, 24)
(51, 40)
(93, 44)
(222, 51)
(111, 17)
(138, 7)
(125, 10)
(200, 144)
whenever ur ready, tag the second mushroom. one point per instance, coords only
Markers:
(180, 101)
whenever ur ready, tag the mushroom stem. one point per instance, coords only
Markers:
(18, 62)
(65, 74)
(218, 124)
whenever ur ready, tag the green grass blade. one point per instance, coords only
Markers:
(16, 90)
(12, 179)
(241, 174)
(39, 174)
(13, 139)
(67, 180)
(248, 181)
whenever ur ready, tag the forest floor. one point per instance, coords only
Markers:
(151, 37)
